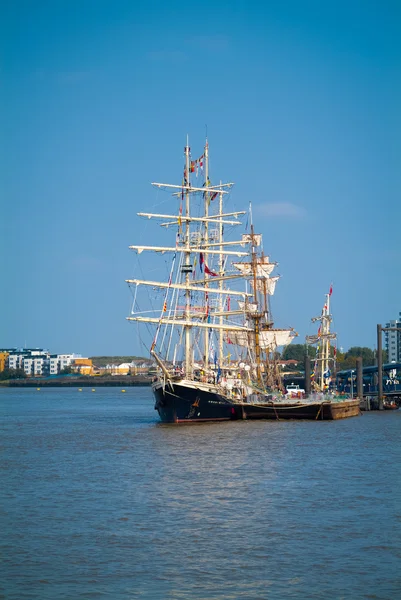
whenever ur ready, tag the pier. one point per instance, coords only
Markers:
(374, 384)
(371, 392)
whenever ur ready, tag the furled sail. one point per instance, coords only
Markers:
(269, 282)
(262, 269)
(239, 338)
(268, 340)
(251, 307)
(313, 339)
(248, 238)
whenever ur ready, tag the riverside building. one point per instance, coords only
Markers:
(36, 362)
(393, 340)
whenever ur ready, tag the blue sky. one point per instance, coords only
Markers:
(302, 106)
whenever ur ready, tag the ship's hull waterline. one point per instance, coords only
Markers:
(181, 402)
(185, 402)
(325, 410)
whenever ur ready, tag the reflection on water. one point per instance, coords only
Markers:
(100, 500)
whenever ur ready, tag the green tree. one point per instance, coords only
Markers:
(297, 352)
(12, 374)
(368, 355)
(347, 360)
(102, 361)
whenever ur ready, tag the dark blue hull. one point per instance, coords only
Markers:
(180, 403)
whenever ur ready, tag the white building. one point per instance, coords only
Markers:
(34, 361)
(14, 361)
(35, 365)
(58, 362)
(393, 340)
(37, 361)
(54, 364)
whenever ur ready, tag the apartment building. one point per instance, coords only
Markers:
(393, 340)
(33, 361)
(36, 361)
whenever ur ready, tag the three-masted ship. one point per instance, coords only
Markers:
(214, 340)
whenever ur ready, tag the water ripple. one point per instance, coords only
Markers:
(99, 500)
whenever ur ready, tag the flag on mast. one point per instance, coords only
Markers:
(209, 272)
(201, 261)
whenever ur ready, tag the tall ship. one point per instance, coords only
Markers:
(209, 322)
(324, 365)
(326, 349)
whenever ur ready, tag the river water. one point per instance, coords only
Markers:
(100, 500)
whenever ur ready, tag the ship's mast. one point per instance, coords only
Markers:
(187, 258)
(221, 263)
(265, 293)
(322, 339)
(186, 246)
(206, 203)
(256, 315)
(270, 374)
(325, 340)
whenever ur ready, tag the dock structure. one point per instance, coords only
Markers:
(374, 383)
(380, 330)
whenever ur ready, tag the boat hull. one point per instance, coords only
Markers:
(390, 405)
(182, 402)
(344, 409)
(190, 402)
(324, 410)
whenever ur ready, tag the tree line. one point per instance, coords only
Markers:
(102, 361)
(12, 374)
(344, 360)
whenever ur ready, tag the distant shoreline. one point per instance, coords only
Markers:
(78, 382)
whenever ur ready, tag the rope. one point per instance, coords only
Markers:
(318, 413)
(164, 302)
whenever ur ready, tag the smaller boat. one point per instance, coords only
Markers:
(294, 391)
(390, 404)
(324, 364)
